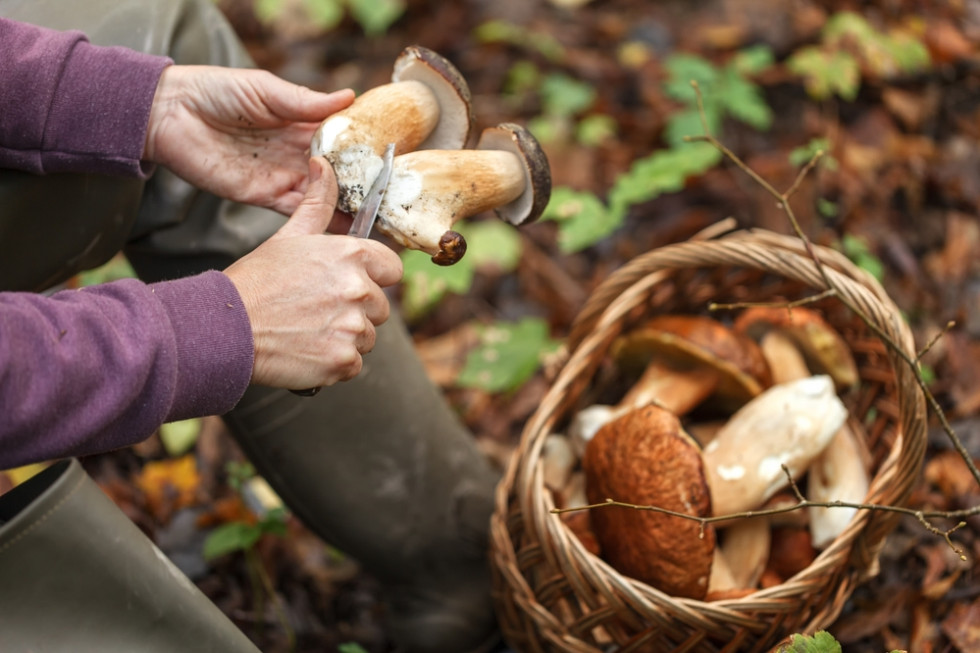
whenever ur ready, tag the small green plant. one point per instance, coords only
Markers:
(530, 41)
(374, 16)
(507, 356)
(727, 92)
(849, 44)
(820, 642)
(242, 536)
(856, 249)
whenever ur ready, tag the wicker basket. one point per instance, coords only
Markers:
(552, 595)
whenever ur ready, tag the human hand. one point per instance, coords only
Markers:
(314, 299)
(241, 134)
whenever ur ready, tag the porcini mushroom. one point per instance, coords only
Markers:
(644, 457)
(425, 106)
(822, 346)
(431, 190)
(840, 472)
(688, 358)
(685, 360)
(787, 425)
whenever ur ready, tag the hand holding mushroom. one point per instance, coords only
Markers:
(426, 107)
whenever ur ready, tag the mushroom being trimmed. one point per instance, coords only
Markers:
(426, 106)
(646, 458)
(431, 190)
(689, 358)
(787, 425)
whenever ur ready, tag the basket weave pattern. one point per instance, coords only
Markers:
(552, 595)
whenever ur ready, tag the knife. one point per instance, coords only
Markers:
(365, 217)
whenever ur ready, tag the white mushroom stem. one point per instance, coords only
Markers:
(557, 461)
(785, 359)
(430, 190)
(787, 425)
(745, 548)
(671, 387)
(354, 139)
(838, 474)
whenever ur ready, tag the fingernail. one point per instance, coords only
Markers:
(316, 170)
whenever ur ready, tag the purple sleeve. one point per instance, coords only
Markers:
(89, 370)
(69, 106)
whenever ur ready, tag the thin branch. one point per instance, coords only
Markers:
(802, 503)
(935, 339)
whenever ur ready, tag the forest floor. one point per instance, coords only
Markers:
(906, 184)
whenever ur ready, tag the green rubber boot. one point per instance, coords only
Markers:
(381, 468)
(76, 575)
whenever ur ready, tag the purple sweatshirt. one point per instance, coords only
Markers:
(83, 371)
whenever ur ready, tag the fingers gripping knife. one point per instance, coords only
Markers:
(365, 217)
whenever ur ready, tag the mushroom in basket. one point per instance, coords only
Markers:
(645, 458)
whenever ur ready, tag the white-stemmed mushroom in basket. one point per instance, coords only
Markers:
(686, 359)
(787, 425)
(431, 190)
(840, 472)
(425, 106)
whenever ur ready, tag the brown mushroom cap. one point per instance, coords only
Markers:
(645, 458)
(694, 340)
(822, 346)
(510, 137)
(450, 89)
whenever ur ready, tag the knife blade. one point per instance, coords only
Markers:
(365, 217)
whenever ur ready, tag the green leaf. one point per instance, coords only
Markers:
(351, 647)
(375, 16)
(325, 14)
(424, 283)
(268, 10)
(664, 171)
(491, 243)
(114, 269)
(523, 77)
(753, 60)
(582, 218)
(595, 129)
(826, 73)
(179, 437)
(682, 69)
(274, 522)
(231, 537)
(803, 154)
(826, 208)
(549, 128)
(562, 95)
(507, 356)
(857, 250)
(821, 642)
(688, 123)
(744, 100)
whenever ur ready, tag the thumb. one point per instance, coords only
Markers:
(314, 213)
